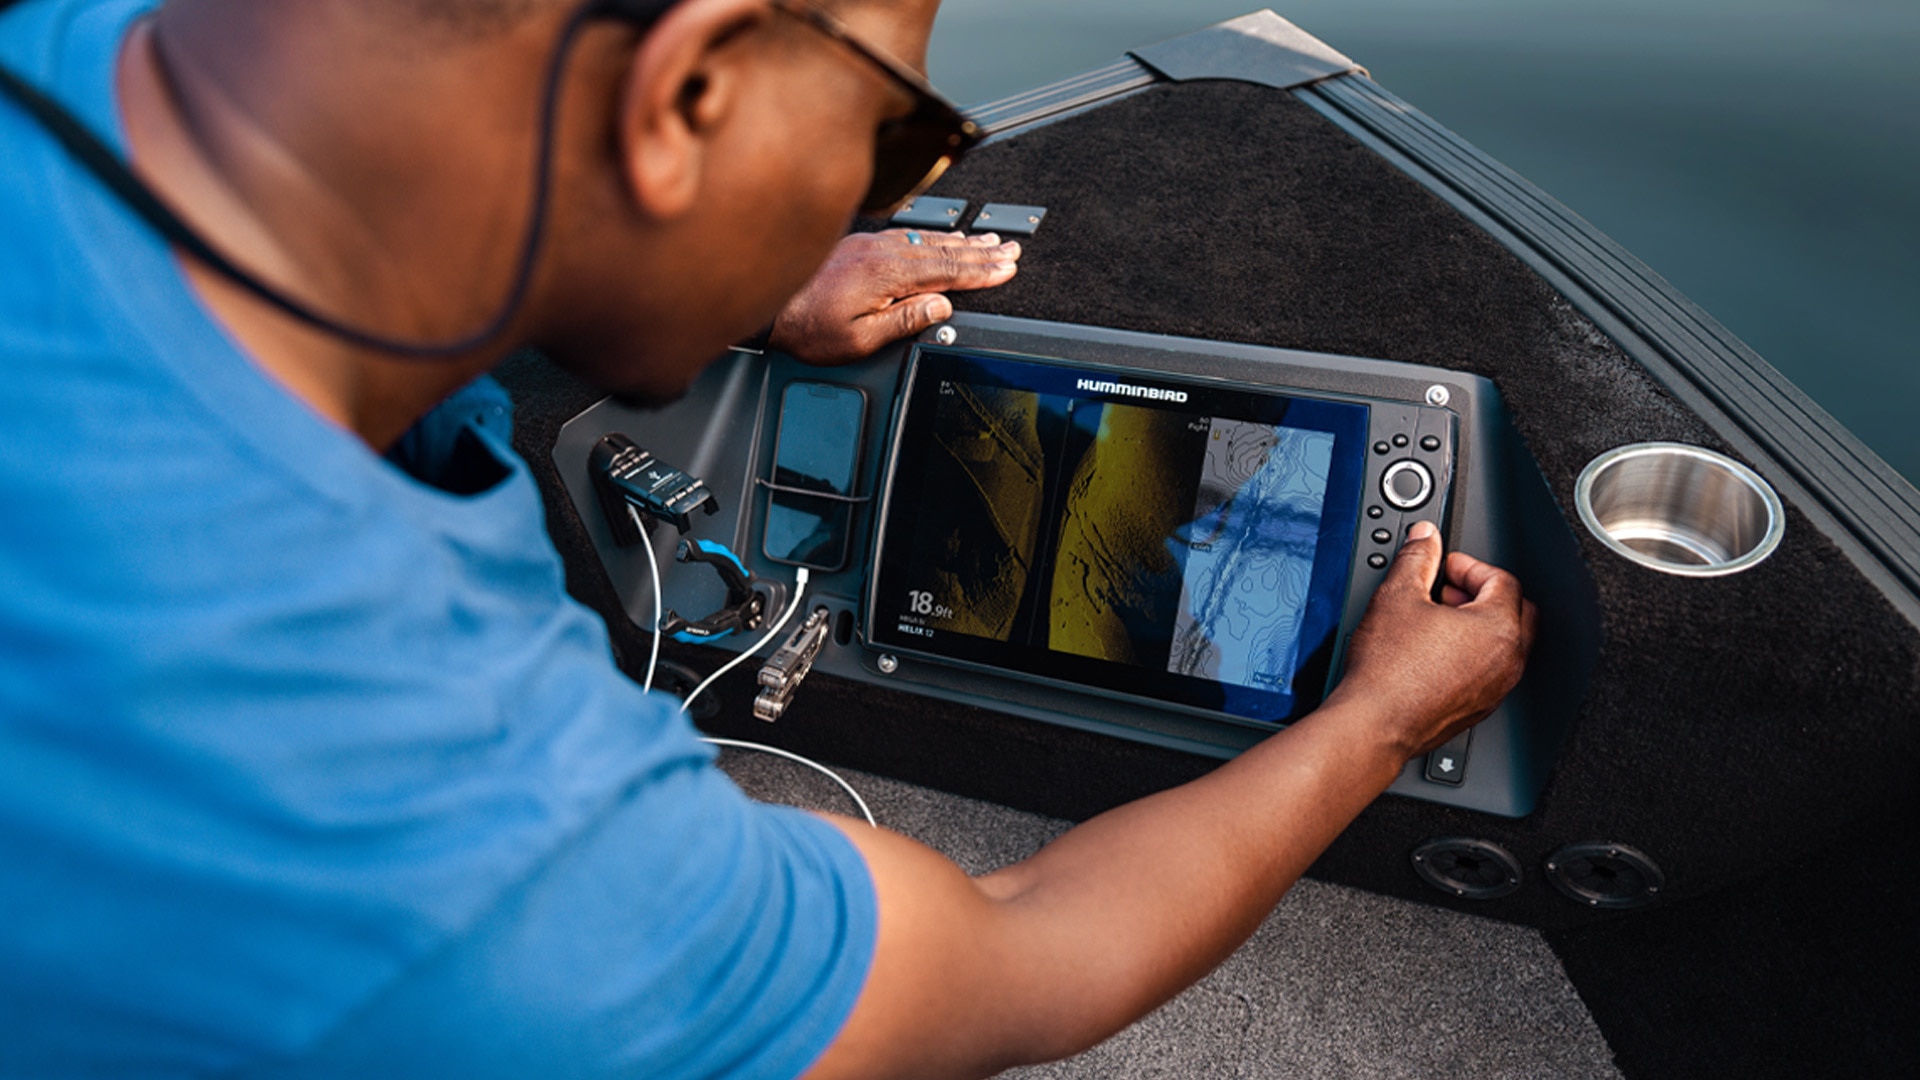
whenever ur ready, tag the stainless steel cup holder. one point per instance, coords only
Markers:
(1680, 509)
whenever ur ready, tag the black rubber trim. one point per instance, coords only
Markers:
(1678, 343)
(1122, 77)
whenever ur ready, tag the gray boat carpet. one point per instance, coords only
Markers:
(1336, 983)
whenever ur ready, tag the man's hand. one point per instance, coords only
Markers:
(877, 288)
(1431, 669)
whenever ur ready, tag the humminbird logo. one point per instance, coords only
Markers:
(1151, 393)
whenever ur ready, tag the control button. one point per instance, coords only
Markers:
(1408, 485)
(1430, 443)
(1383, 536)
(1377, 561)
(1382, 447)
(1448, 765)
(1376, 512)
(1400, 440)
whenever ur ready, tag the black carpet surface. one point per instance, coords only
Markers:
(1741, 731)
(1807, 971)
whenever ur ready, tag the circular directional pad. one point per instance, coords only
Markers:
(1407, 485)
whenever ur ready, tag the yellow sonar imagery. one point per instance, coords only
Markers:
(1116, 580)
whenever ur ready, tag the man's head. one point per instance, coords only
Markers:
(704, 163)
(743, 141)
(734, 141)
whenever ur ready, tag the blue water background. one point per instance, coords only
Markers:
(1762, 155)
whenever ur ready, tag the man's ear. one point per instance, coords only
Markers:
(685, 84)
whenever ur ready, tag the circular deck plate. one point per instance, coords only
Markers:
(1467, 868)
(1598, 874)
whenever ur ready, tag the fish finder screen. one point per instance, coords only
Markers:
(1184, 541)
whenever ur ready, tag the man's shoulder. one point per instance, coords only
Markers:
(58, 264)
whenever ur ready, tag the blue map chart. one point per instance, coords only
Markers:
(1248, 554)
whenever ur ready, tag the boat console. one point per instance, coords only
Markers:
(1036, 579)
(1159, 539)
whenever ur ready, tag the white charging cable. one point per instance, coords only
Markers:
(653, 564)
(814, 765)
(799, 591)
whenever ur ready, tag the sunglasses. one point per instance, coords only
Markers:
(909, 152)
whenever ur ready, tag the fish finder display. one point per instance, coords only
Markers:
(1127, 531)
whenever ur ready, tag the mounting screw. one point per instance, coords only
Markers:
(1033, 219)
(1438, 395)
(946, 335)
(889, 664)
(984, 216)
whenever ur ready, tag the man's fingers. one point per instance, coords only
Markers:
(941, 267)
(939, 262)
(1484, 582)
(1418, 564)
(902, 320)
(936, 239)
(943, 239)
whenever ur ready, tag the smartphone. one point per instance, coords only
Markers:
(816, 456)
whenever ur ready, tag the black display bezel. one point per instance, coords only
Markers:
(1347, 419)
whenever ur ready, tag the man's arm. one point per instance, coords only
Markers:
(1051, 955)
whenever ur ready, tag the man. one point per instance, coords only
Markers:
(308, 766)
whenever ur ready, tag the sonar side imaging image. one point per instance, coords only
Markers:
(1249, 554)
(985, 478)
(1116, 586)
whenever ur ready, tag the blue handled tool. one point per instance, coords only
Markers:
(748, 598)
